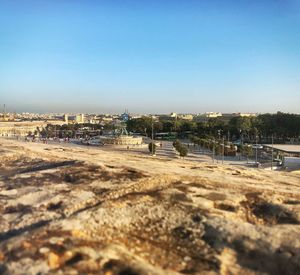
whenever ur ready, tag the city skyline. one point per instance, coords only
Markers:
(5, 110)
(181, 56)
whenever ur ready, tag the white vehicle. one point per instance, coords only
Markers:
(257, 146)
(93, 141)
(254, 164)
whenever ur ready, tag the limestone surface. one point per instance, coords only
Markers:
(83, 210)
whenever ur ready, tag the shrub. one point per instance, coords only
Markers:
(183, 151)
(150, 147)
(180, 148)
(176, 144)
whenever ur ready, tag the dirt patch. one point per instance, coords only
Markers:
(82, 173)
(19, 208)
(258, 210)
(72, 172)
(118, 267)
(181, 186)
(225, 207)
(285, 260)
(46, 166)
(55, 206)
(293, 202)
(200, 185)
(16, 164)
(214, 196)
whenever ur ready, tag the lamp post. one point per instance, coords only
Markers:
(219, 133)
(219, 141)
(272, 153)
(223, 150)
(256, 149)
(242, 142)
(241, 136)
(213, 152)
(152, 137)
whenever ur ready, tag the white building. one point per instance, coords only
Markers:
(79, 118)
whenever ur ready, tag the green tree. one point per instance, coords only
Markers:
(140, 125)
(180, 148)
(188, 126)
(240, 125)
(247, 151)
(183, 151)
(152, 147)
(167, 126)
(176, 144)
(218, 149)
(144, 125)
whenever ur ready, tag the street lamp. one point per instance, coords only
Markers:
(152, 136)
(223, 149)
(256, 149)
(219, 140)
(272, 153)
(213, 152)
(241, 136)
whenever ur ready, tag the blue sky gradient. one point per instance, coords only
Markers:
(150, 56)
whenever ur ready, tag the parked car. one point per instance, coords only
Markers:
(278, 161)
(254, 164)
(257, 146)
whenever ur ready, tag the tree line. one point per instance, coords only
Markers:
(280, 126)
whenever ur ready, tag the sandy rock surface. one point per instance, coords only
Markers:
(77, 210)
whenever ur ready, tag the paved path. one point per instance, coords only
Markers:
(196, 154)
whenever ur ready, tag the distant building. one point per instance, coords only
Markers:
(79, 118)
(134, 116)
(247, 114)
(66, 118)
(208, 115)
(23, 128)
(212, 114)
(231, 115)
(7, 117)
(185, 117)
(107, 119)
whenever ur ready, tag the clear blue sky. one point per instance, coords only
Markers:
(150, 56)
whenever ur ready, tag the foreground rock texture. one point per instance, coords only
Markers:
(75, 210)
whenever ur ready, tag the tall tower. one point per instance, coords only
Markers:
(4, 112)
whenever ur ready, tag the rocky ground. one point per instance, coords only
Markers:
(76, 210)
